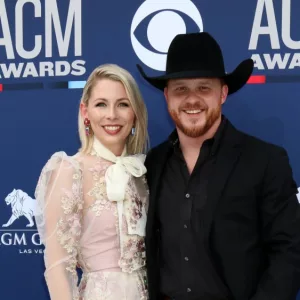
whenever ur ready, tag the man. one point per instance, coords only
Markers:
(223, 219)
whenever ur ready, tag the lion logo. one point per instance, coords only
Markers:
(21, 205)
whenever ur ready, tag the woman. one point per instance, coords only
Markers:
(92, 206)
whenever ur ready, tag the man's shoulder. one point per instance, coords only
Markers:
(263, 154)
(261, 147)
(157, 151)
(159, 148)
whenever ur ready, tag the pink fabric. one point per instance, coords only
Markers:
(79, 226)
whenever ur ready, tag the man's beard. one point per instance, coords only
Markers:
(197, 130)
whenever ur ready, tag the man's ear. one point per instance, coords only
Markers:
(224, 93)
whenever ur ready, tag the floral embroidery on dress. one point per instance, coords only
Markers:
(99, 168)
(98, 192)
(69, 226)
(134, 254)
(137, 208)
(133, 246)
(143, 284)
(100, 289)
(65, 202)
(113, 285)
(72, 224)
(138, 203)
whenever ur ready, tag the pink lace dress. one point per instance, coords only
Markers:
(81, 227)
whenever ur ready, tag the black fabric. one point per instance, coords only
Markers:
(249, 228)
(195, 55)
(182, 196)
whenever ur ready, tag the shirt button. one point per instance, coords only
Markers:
(188, 290)
(187, 196)
(185, 226)
(186, 258)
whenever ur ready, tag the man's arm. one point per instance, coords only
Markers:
(280, 221)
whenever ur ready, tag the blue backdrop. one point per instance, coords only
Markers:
(49, 47)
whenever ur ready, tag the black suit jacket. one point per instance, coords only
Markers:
(251, 226)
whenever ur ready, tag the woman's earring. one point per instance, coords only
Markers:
(132, 130)
(87, 124)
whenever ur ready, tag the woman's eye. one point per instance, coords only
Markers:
(123, 104)
(101, 104)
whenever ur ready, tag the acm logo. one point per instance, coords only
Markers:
(21, 59)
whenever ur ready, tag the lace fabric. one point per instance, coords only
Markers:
(113, 285)
(79, 226)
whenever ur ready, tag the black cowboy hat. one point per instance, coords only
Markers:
(194, 55)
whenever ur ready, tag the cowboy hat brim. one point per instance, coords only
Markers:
(234, 80)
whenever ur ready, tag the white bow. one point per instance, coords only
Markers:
(118, 174)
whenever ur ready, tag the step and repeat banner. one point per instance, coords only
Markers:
(49, 47)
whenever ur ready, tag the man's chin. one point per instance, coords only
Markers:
(192, 131)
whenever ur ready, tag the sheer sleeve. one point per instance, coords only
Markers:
(58, 218)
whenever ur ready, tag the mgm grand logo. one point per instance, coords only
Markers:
(26, 239)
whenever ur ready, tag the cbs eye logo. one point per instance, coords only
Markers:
(167, 18)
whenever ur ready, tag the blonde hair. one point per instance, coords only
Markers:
(137, 143)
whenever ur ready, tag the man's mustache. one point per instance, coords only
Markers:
(193, 106)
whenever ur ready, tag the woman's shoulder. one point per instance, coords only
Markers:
(61, 160)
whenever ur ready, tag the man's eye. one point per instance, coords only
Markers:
(181, 89)
(204, 88)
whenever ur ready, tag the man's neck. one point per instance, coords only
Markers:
(190, 145)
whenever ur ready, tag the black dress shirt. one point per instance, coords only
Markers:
(186, 272)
